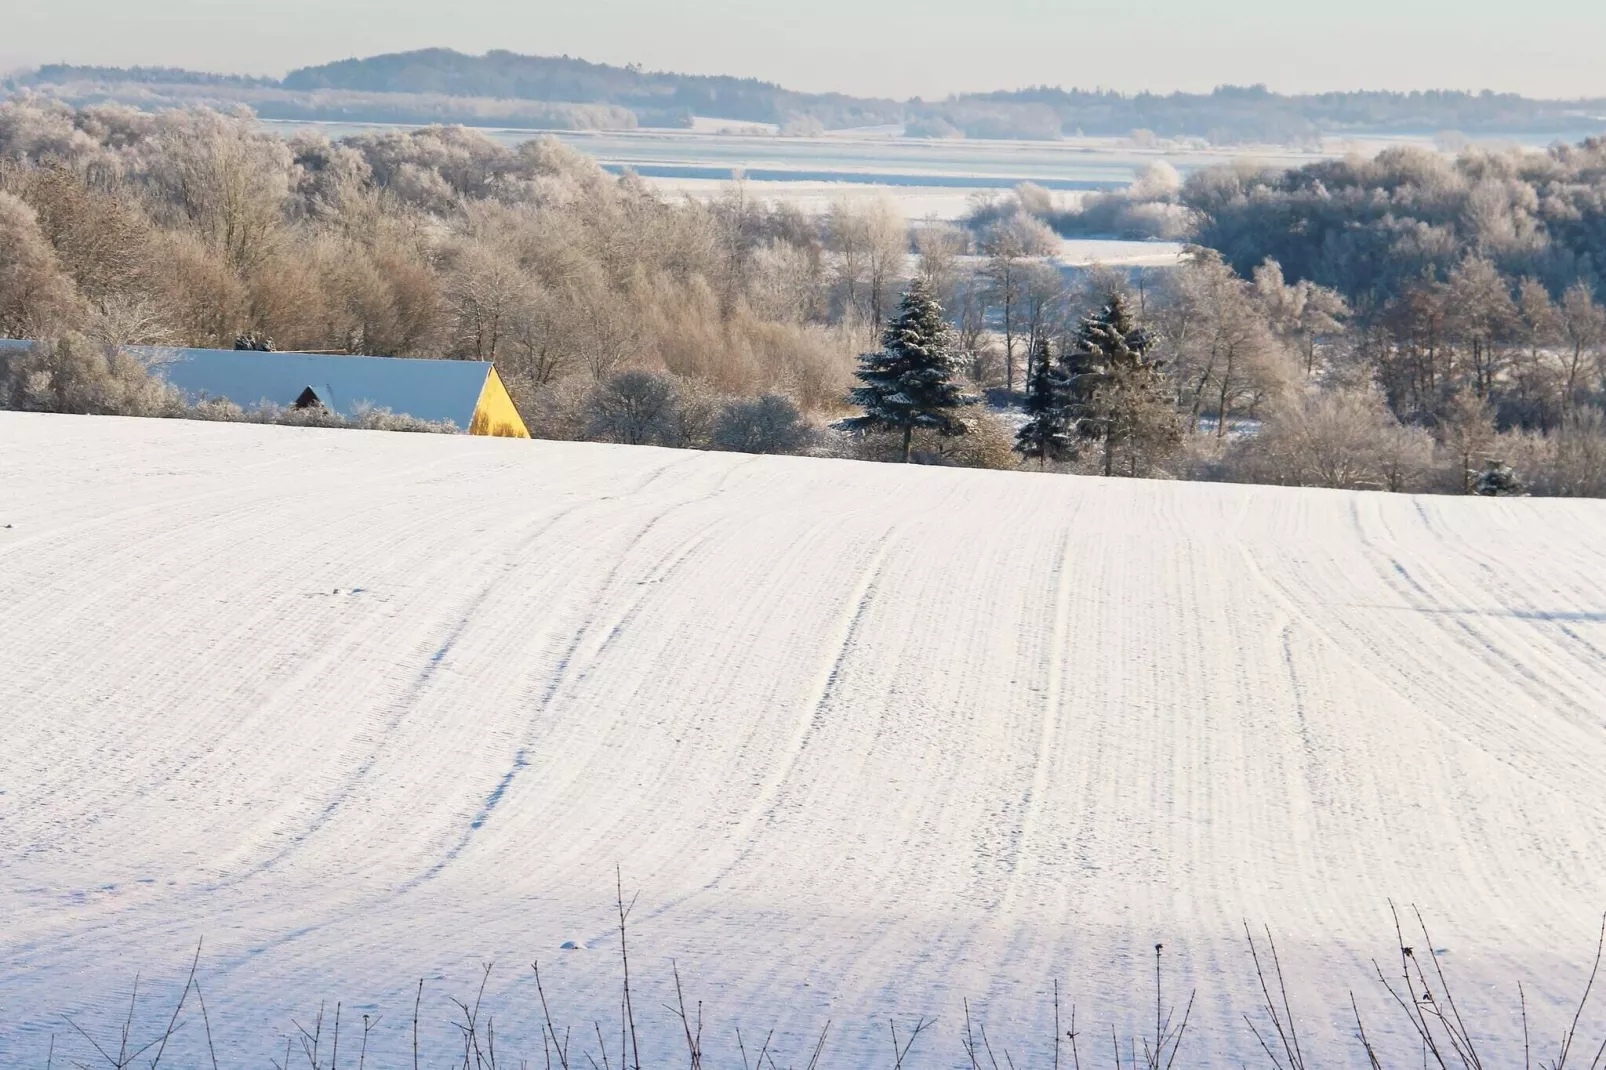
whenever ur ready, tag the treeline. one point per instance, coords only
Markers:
(345, 106)
(62, 73)
(1397, 379)
(420, 86)
(1372, 228)
(1481, 272)
(1234, 115)
(1199, 373)
(615, 314)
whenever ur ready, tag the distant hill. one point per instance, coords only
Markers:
(652, 95)
(504, 88)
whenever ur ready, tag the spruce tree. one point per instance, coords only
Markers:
(1047, 434)
(910, 384)
(1117, 394)
(1497, 480)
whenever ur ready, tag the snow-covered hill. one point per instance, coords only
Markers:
(364, 707)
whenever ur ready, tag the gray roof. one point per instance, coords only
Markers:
(428, 389)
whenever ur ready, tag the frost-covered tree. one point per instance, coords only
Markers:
(1047, 434)
(36, 296)
(1118, 395)
(768, 424)
(1223, 344)
(1582, 324)
(1012, 246)
(634, 407)
(1343, 439)
(911, 383)
(1466, 429)
(76, 375)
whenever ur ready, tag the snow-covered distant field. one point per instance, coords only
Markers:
(360, 708)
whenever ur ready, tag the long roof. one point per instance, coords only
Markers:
(428, 389)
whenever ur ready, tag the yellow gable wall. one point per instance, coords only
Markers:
(495, 414)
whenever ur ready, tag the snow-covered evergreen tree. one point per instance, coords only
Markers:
(1047, 434)
(1497, 480)
(1117, 394)
(911, 383)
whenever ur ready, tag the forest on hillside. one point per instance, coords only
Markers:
(502, 88)
(616, 314)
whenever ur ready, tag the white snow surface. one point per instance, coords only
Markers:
(360, 708)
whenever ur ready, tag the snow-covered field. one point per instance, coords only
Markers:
(360, 708)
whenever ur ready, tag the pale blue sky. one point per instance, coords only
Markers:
(885, 47)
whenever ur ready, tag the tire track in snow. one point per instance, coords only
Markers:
(554, 690)
(843, 640)
(149, 572)
(1418, 597)
(404, 705)
(842, 644)
(148, 566)
(408, 700)
(1370, 654)
(1048, 729)
(1507, 594)
(662, 569)
(499, 790)
(1294, 619)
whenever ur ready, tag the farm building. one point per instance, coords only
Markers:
(469, 393)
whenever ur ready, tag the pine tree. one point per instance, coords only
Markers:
(1046, 435)
(1117, 395)
(910, 384)
(1497, 480)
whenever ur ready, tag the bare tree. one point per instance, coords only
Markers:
(1006, 263)
(887, 252)
(783, 282)
(1539, 329)
(228, 179)
(539, 344)
(939, 247)
(1044, 305)
(101, 236)
(849, 239)
(972, 337)
(1466, 429)
(1223, 351)
(636, 408)
(487, 294)
(1582, 324)
(1483, 318)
